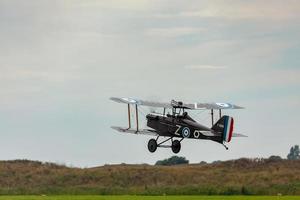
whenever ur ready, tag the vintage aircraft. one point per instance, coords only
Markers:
(179, 124)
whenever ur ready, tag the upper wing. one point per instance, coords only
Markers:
(193, 106)
(141, 102)
(140, 131)
(214, 106)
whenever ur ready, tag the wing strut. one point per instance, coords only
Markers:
(137, 118)
(220, 113)
(129, 121)
(212, 117)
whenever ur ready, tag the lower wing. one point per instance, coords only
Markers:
(212, 133)
(134, 131)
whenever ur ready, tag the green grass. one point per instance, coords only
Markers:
(95, 197)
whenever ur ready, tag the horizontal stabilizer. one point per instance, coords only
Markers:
(238, 135)
(134, 131)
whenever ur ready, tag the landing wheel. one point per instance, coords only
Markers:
(152, 145)
(176, 146)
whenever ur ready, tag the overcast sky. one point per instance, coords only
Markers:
(60, 61)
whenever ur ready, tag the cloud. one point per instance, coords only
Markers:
(278, 10)
(205, 67)
(174, 31)
(120, 5)
(19, 74)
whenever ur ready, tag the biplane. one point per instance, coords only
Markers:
(179, 124)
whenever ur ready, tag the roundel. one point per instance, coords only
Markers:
(224, 105)
(129, 100)
(186, 132)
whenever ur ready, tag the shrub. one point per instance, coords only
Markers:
(174, 160)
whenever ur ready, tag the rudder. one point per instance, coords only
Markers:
(224, 126)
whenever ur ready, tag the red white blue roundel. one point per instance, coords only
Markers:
(225, 105)
(186, 132)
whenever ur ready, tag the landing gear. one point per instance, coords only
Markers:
(152, 145)
(176, 146)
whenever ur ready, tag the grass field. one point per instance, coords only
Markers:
(95, 197)
(235, 177)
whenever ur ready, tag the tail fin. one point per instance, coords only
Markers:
(224, 126)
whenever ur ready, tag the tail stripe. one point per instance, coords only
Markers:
(225, 128)
(231, 129)
(228, 128)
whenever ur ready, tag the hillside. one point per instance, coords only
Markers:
(243, 176)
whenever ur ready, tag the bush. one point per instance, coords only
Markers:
(174, 160)
(274, 158)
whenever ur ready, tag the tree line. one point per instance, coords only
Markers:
(294, 154)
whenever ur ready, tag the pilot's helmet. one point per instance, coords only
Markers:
(184, 114)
